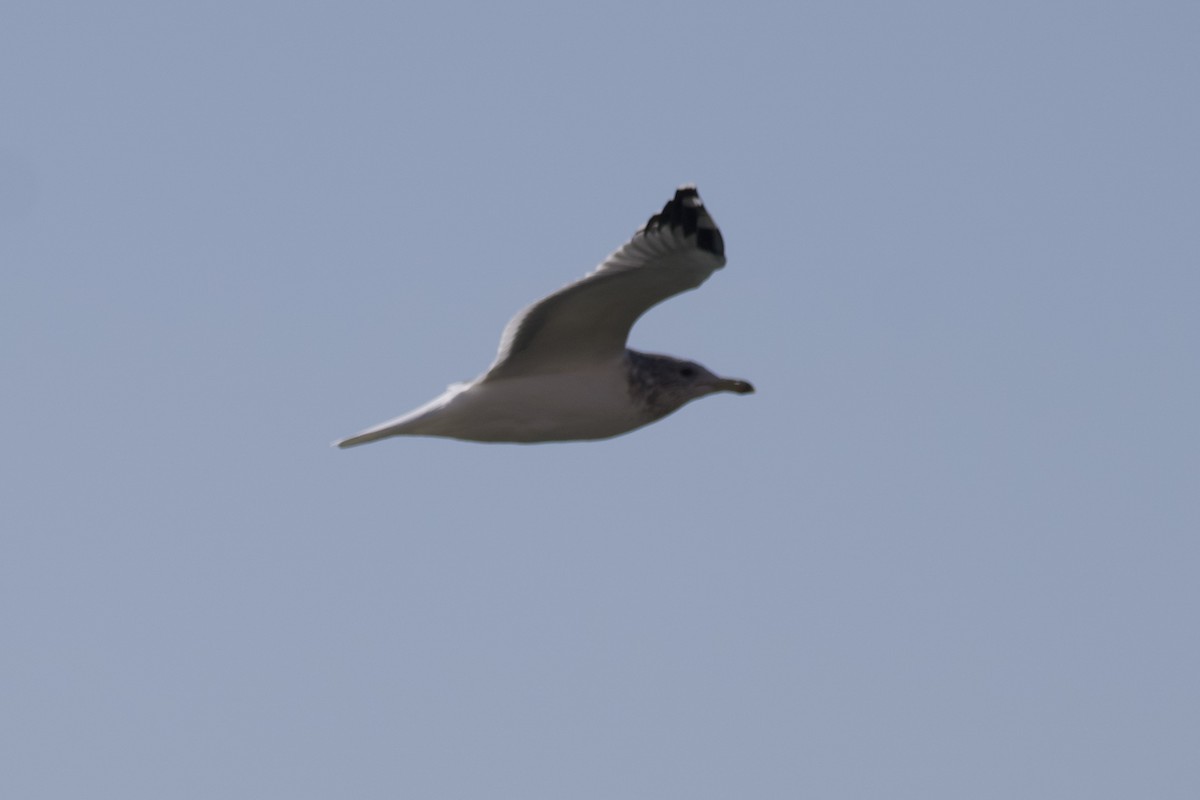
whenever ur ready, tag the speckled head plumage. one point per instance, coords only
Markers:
(662, 384)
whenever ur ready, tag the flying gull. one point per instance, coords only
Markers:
(563, 372)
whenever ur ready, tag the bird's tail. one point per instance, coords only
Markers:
(420, 422)
(373, 435)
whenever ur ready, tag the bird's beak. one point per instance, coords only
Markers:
(734, 385)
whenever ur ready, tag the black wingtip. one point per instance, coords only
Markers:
(686, 212)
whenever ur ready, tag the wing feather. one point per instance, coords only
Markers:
(590, 319)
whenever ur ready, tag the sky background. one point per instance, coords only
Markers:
(948, 550)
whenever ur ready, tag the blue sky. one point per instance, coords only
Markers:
(949, 549)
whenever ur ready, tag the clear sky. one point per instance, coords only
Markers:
(948, 550)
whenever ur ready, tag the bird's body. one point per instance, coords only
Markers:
(563, 372)
(591, 403)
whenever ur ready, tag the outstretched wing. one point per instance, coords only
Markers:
(589, 320)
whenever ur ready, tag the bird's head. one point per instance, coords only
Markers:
(663, 383)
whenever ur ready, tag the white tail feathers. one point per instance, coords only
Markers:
(419, 422)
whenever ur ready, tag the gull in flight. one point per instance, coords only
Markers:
(563, 372)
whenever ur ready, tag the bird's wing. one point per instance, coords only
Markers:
(589, 320)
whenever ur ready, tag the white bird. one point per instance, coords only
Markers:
(563, 372)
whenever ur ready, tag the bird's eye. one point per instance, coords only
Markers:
(687, 372)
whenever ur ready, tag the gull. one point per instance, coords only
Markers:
(563, 372)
